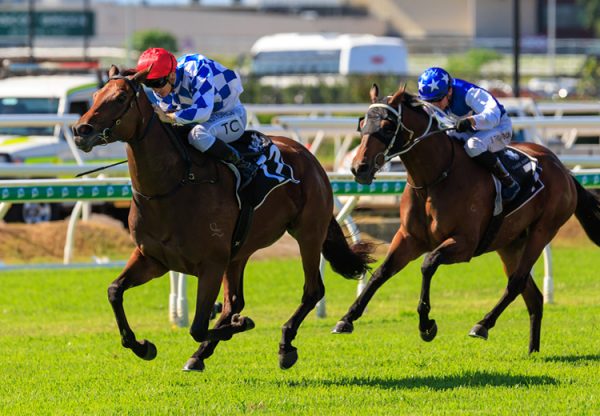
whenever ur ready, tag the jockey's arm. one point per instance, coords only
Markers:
(202, 97)
(487, 114)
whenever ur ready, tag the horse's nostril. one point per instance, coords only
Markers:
(83, 130)
(353, 170)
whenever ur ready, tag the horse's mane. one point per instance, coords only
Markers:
(413, 102)
(128, 71)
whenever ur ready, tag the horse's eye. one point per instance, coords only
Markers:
(122, 98)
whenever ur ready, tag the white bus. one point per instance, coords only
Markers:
(343, 54)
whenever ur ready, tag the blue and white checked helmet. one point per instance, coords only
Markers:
(434, 84)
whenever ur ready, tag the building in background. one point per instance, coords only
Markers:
(232, 29)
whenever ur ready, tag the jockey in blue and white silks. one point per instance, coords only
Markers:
(197, 90)
(482, 122)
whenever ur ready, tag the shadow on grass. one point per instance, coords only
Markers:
(572, 359)
(469, 379)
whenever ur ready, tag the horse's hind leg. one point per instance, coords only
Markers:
(233, 304)
(139, 270)
(534, 300)
(404, 248)
(314, 290)
(520, 282)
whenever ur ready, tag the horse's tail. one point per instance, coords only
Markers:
(349, 261)
(588, 212)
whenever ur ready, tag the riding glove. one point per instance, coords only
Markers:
(464, 124)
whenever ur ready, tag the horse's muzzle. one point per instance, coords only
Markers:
(363, 174)
(85, 137)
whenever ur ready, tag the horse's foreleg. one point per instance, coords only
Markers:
(209, 283)
(233, 304)
(520, 282)
(139, 270)
(403, 249)
(453, 250)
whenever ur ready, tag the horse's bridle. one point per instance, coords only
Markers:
(410, 143)
(188, 177)
(134, 100)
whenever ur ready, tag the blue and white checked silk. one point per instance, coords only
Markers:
(202, 87)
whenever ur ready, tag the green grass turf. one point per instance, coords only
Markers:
(60, 350)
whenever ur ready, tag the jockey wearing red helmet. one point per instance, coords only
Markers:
(160, 61)
(198, 91)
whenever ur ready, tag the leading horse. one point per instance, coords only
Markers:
(447, 206)
(184, 211)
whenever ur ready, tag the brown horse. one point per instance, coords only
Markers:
(184, 211)
(447, 206)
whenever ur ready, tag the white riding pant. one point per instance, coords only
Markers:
(492, 140)
(225, 125)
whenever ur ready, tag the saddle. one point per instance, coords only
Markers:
(272, 173)
(525, 170)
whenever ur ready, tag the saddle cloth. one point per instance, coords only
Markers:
(525, 170)
(272, 172)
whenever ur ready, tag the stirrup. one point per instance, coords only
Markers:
(509, 193)
(247, 172)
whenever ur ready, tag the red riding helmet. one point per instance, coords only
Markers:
(163, 62)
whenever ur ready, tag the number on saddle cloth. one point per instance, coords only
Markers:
(526, 171)
(273, 171)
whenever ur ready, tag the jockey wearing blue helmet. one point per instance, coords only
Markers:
(482, 124)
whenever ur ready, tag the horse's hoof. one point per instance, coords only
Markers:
(343, 327)
(288, 359)
(145, 350)
(194, 364)
(249, 324)
(479, 331)
(429, 334)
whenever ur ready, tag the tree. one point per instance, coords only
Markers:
(590, 72)
(468, 65)
(591, 14)
(145, 39)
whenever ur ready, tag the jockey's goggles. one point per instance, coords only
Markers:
(156, 83)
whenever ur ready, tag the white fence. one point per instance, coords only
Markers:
(311, 130)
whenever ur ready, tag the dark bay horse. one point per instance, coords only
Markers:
(447, 206)
(183, 214)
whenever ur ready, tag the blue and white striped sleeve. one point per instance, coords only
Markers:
(200, 94)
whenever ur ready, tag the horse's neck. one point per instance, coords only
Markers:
(428, 160)
(155, 164)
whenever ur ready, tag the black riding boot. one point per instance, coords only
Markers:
(226, 153)
(510, 187)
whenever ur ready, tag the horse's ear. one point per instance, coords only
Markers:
(141, 75)
(113, 71)
(374, 93)
(398, 94)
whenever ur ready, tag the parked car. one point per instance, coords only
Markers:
(46, 94)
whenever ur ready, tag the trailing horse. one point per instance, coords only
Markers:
(447, 209)
(184, 212)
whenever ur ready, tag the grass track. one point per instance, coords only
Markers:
(60, 351)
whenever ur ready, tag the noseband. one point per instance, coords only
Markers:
(107, 133)
(408, 144)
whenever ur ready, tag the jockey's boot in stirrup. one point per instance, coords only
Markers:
(226, 153)
(510, 187)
